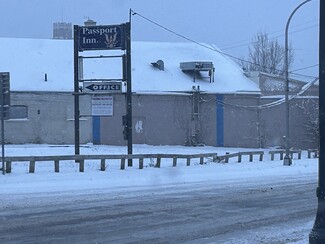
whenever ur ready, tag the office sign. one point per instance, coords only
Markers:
(102, 105)
(102, 87)
(101, 37)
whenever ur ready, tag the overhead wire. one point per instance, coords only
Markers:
(270, 33)
(269, 105)
(308, 67)
(274, 37)
(206, 46)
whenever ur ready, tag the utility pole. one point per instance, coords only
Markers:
(2, 128)
(129, 88)
(287, 159)
(76, 93)
(317, 235)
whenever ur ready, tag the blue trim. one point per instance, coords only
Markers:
(96, 129)
(220, 121)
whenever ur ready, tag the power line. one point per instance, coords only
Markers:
(206, 46)
(247, 44)
(308, 67)
(272, 104)
(274, 32)
(263, 106)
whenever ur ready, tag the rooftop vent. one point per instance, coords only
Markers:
(159, 65)
(196, 67)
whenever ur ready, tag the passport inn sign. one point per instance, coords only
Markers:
(102, 37)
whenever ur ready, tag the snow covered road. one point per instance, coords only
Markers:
(248, 202)
(243, 212)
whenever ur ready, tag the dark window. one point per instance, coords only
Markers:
(18, 112)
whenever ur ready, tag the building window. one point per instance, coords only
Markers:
(18, 112)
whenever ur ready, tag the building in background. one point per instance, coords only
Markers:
(183, 94)
(62, 30)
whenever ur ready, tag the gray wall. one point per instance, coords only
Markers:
(241, 123)
(174, 120)
(302, 111)
(50, 119)
(165, 120)
(157, 120)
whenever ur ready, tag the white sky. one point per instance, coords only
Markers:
(225, 23)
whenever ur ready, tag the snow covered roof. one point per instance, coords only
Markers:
(28, 60)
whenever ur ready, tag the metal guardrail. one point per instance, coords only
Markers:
(282, 152)
(80, 159)
(313, 151)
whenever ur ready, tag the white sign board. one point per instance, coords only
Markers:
(102, 87)
(102, 106)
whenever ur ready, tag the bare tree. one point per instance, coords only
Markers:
(266, 55)
(309, 109)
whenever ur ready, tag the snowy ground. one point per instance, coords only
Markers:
(44, 182)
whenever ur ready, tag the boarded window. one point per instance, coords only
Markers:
(18, 112)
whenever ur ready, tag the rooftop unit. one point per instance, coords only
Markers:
(195, 68)
(159, 65)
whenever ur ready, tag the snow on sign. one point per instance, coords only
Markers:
(101, 37)
(102, 87)
(102, 105)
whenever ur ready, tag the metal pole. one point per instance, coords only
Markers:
(287, 159)
(317, 235)
(129, 88)
(2, 130)
(76, 92)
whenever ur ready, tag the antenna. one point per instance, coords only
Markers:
(61, 12)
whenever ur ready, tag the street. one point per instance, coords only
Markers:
(241, 212)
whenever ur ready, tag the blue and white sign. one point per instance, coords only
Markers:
(102, 37)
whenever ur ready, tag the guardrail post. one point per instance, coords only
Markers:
(158, 162)
(140, 163)
(32, 167)
(239, 157)
(81, 165)
(201, 160)
(122, 163)
(299, 155)
(281, 155)
(261, 156)
(174, 162)
(188, 161)
(102, 164)
(8, 167)
(56, 166)
(272, 156)
(251, 157)
(226, 157)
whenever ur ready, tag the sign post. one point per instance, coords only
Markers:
(5, 105)
(128, 92)
(102, 37)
